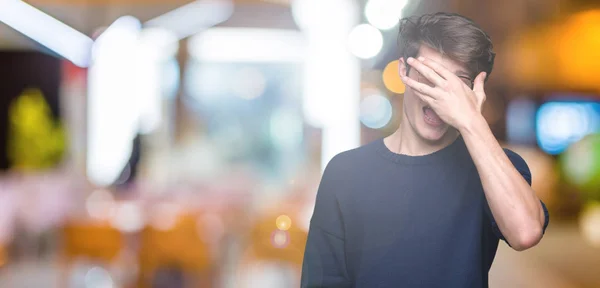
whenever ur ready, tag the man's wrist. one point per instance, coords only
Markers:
(471, 126)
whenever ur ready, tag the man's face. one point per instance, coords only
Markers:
(425, 123)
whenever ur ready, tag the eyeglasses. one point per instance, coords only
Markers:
(424, 79)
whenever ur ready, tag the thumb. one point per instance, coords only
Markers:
(479, 82)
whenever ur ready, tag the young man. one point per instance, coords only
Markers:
(427, 205)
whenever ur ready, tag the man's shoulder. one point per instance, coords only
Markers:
(353, 158)
(347, 170)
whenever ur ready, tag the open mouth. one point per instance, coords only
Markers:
(431, 117)
(428, 111)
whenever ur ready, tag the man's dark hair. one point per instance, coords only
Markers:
(452, 35)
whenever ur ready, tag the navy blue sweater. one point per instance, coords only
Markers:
(383, 219)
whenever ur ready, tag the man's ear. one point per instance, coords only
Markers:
(401, 67)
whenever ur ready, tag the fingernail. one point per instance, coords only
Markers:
(421, 58)
(410, 60)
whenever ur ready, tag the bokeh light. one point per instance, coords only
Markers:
(391, 77)
(365, 41)
(561, 123)
(283, 222)
(576, 63)
(128, 217)
(98, 277)
(589, 223)
(375, 111)
(286, 128)
(165, 216)
(280, 239)
(384, 14)
(100, 205)
(581, 165)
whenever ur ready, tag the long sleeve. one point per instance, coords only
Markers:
(324, 257)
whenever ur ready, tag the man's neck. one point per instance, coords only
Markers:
(406, 141)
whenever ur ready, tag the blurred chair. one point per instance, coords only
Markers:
(275, 248)
(95, 241)
(168, 255)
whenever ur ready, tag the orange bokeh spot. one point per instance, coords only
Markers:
(283, 222)
(391, 78)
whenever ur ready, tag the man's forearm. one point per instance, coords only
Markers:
(516, 208)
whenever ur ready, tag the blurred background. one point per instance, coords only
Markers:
(149, 143)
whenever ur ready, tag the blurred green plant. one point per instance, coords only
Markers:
(581, 166)
(35, 140)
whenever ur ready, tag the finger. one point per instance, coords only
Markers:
(478, 89)
(427, 72)
(426, 99)
(420, 87)
(479, 83)
(438, 68)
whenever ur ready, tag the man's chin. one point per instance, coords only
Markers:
(434, 135)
